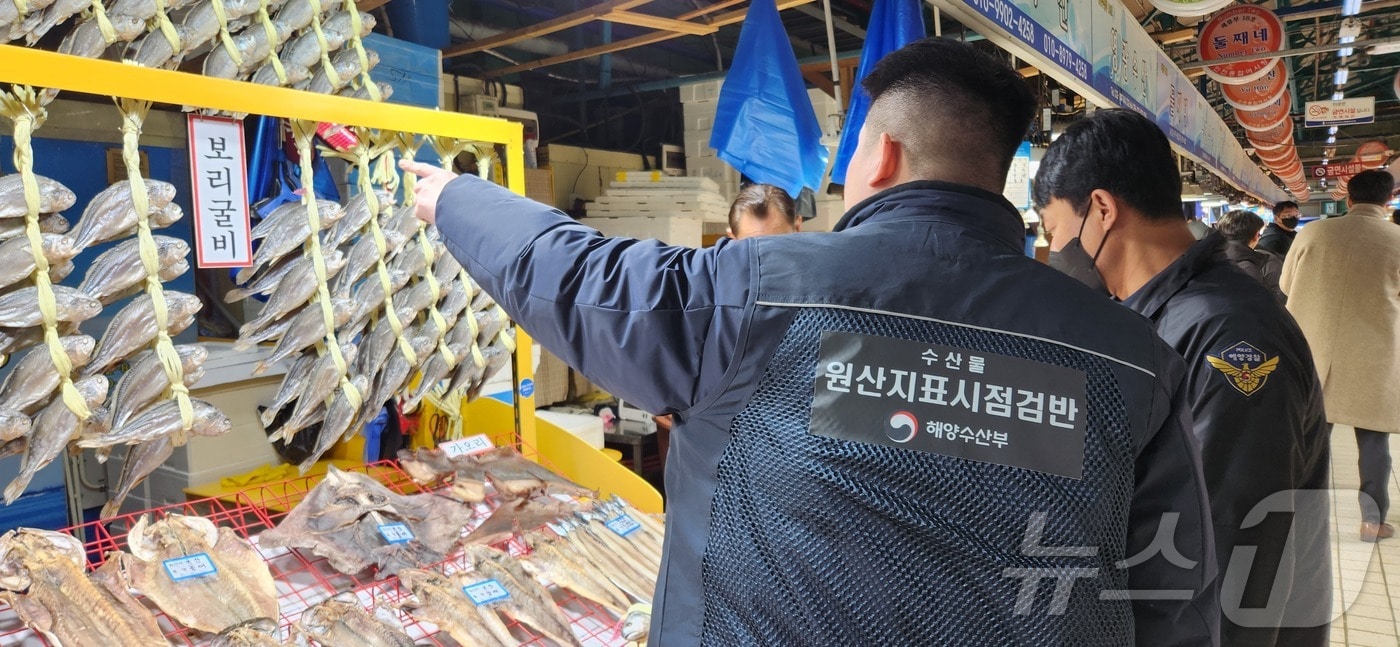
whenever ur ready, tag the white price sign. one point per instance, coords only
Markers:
(189, 567)
(395, 533)
(469, 446)
(486, 592)
(219, 175)
(623, 525)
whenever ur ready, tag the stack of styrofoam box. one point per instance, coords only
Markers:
(640, 204)
(698, 103)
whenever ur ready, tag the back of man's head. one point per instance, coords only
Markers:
(1240, 226)
(762, 209)
(1371, 187)
(1118, 151)
(958, 112)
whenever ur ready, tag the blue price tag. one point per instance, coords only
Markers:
(192, 566)
(486, 592)
(395, 533)
(623, 525)
(527, 387)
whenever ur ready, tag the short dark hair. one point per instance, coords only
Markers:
(1286, 204)
(1239, 225)
(947, 102)
(1395, 216)
(758, 200)
(1371, 187)
(1118, 151)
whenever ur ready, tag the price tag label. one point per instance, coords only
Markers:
(395, 533)
(469, 446)
(189, 567)
(623, 525)
(559, 529)
(486, 592)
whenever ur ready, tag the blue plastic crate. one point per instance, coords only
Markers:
(414, 71)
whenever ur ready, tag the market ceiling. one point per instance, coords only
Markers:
(588, 46)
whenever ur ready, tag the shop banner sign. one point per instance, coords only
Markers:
(1060, 30)
(1320, 114)
(1018, 179)
(1343, 169)
(219, 175)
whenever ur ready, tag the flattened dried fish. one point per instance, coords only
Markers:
(17, 308)
(516, 516)
(117, 270)
(529, 602)
(552, 562)
(34, 378)
(342, 622)
(64, 605)
(442, 602)
(54, 427)
(341, 520)
(513, 475)
(53, 196)
(261, 632)
(239, 590)
(146, 380)
(135, 325)
(111, 212)
(159, 420)
(307, 327)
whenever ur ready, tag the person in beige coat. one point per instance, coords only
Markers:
(1342, 278)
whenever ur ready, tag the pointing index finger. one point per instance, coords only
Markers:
(417, 168)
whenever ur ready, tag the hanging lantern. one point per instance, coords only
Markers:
(1240, 31)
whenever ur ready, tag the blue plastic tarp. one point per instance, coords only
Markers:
(893, 24)
(765, 125)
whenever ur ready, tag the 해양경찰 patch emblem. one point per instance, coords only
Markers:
(1245, 367)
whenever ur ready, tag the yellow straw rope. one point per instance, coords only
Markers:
(272, 42)
(133, 116)
(104, 24)
(321, 41)
(356, 25)
(448, 149)
(224, 35)
(167, 28)
(26, 109)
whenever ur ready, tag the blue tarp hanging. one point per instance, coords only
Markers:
(765, 125)
(893, 24)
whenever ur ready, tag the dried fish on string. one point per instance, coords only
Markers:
(146, 380)
(48, 224)
(340, 413)
(305, 329)
(312, 391)
(54, 427)
(362, 92)
(17, 308)
(254, 45)
(53, 195)
(293, 291)
(290, 234)
(17, 261)
(161, 419)
(305, 50)
(135, 326)
(86, 39)
(237, 589)
(41, 573)
(141, 460)
(114, 273)
(34, 378)
(111, 213)
(199, 26)
(346, 65)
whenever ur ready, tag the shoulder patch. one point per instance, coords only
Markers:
(1245, 367)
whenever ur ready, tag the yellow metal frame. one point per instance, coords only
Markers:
(39, 68)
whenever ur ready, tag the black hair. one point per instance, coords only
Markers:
(1239, 225)
(1286, 204)
(1118, 151)
(1395, 216)
(951, 101)
(759, 200)
(1371, 187)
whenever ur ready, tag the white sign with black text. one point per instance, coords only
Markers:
(219, 175)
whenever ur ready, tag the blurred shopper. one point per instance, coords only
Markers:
(1108, 190)
(1198, 228)
(1278, 235)
(1343, 285)
(762, 210)
(1241, 231)
(893, 433)
(1395, 216)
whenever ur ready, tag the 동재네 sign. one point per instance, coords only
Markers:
(1340, 113)
(219, 175)
(950, 401)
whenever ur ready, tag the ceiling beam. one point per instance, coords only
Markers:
(1330, 47)
(547, 27)
(836, 21)
(636, 41)
(657, 22)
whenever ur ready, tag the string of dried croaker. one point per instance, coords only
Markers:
(224, 36)
(133, 117)
(303, 132)
(25, 108)
(325, 46)
(358, 45)
(487, 165)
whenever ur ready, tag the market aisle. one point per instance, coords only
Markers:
(1367, 576)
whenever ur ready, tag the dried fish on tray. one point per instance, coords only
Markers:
(355, 522)
(204, 576)
(342, 622)
(41, 573)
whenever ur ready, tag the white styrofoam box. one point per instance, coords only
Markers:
(716, 169)
(701, 92)
(587, 428)
(672, 230)
(698, 117)
(697, 144)
(655, 180)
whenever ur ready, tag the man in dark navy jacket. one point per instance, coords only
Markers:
(1110, 195)
(904, 432)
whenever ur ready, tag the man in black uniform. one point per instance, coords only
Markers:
(1278, 235)
(1109, 192)
(894, 433)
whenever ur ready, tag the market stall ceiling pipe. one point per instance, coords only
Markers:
(551, 47)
